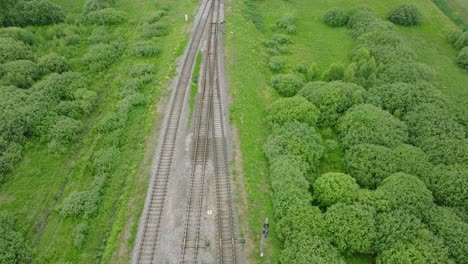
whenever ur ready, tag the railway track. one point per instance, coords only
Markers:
(145, 250)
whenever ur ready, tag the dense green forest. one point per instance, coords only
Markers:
(79, 83)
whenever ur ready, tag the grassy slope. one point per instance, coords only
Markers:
(317, 43)
(41, 179)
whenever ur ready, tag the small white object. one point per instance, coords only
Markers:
(186, 18)
(209, 212)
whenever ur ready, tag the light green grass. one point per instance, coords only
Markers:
(42, 180)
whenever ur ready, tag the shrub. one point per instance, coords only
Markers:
(100, 57)
(105, 160)
(14, 248)
(37, 13)
(368, 124)
(332, 99)
(276, 63)
(286, 21)
(81, 230)
(310, 249)
(11, 50)
(155, 16)
(20, 34)
(445, 150)
(335, 18)
(289, 200)
(463, 58)
(106, 16)
(295, 139)
(406, 72)
(308, 221)
(287, 84)
(449, 185)
(20, 73)
(282, 39)
(290, 109)
(334, 73)
(363, 20)
(142, 69)
(53, 62)
(99, 35)
(158, 29)
(79, 203)
(405, 15)
(406, 192)
(351, 228)
(65, 131)
(93, 5)
(462, 41)
(144, 49)
(10, 153)
(331, 188)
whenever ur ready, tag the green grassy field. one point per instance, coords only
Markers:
(42, 180)
(248, 24)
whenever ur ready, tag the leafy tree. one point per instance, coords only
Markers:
(368, 124)
(447, 225)
(287, 85)
(406, 72)
(37, 13)
(10, 153)
(100, 57)
(445, 150)
(13, 103)
(65, 130)
(332, 187)
(309, 249)
(395, 228)
(373, 199)
(463, 58)
(53, 62)
(290, 199)
(20, 73)
(370, 164)
(106, 16)
(405, 15)
(449, 185)
(334, 73)
(407, 192)
(288, 171)
(333, 99)
(20, 34)
(462, 41)
(294, 108)
(351, 228)
(93, 5)
(414, 161)
(335, 18)
(308, 221)
(11, 50)
(13, 247)
(428, 249)
(295, 139)
(363, 70)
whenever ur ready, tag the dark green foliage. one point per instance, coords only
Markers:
(368, 124)
(65, 130)
(335, 18)
(20, 34)
(445, 150)
(157, 29)
(79, 237)
(447, 225)
(53, 62)
(462, 41)
(11, 50)
(449, 185)
(463, 58)
(310, 249)
(287, 85)
(408, 193)
(396, 227)
(13, 247)
(20, 73)
(373, 199)
(106, 16)
(290, 199)
(405, 15)
(100, 57)
(333, 187)
(295, 139)
(294, 108)
(334, 73)
(36, 13)
(144, 49)
(427, 249)
(333, 99)
(351, 228)
(308, 220)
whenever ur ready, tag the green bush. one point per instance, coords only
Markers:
(304, 249)
(10, 153)
(287, 85)
(351, 228)
(100, 57)
(363, 20)
(99, 35)
(144, 49)
(296, 139)
(79, 237)
(449, 184)
(332, 99)
(53, 62)
(289, 200)
(155, 16)
(106, 16)
(463, 58)
(368, 124)
(13, 246)
(407, 192)
(37, 13)
(334, 73)
(94, 5)
(142, 69)
(308, 221)
(286, 21)
(335, 18)
(276, 63)
(462, 41)
(445, 150)
(405, 15)
(157, 29)
(105, 160)
(294, 108)
(282, 39)
(406, 72)
(65, 131)
(20, 34)
(78, 204)
(11, 50)
(331, 188)
(20, 73)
